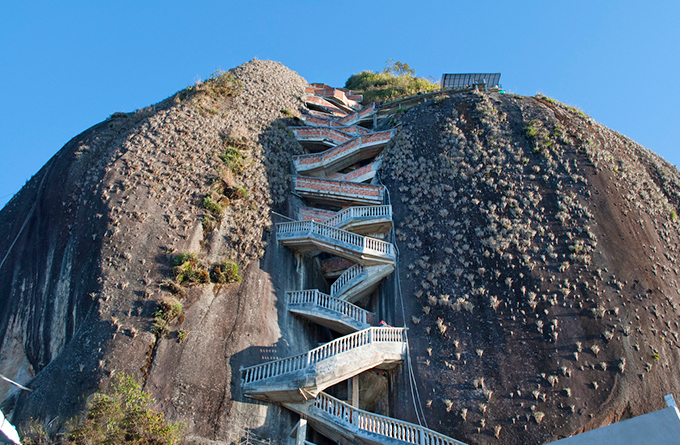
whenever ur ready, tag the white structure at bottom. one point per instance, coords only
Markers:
(660, 427)
(8, 434)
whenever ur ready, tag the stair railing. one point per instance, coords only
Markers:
(325, 301)
(341, 345)
(381, 425)
(338, 285)
(363, 243)
(359, 141)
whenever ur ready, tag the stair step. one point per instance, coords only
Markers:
(342, 156)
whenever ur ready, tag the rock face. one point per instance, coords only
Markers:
(537, 263)
(90, 242)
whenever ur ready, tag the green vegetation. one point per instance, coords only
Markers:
(120, 416)
(187, 268)
(573, 110)
(182, 335)
(226, 272)
(287, 112)
(219, 84)
(674, 215)
(213, 207)
(396, 81)
(167, 310)
(233, 152)
(238, 192)
(536, 132)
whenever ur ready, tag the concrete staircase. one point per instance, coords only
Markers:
(325, 310)
(306, 236)
(359, 281)
(364, 220)
(344, 424)
(334, 177)
(342, 97)
(337, 192)
(366, 114)
(344, 155)
(304, 376)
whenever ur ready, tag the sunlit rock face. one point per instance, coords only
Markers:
(537, 264)
(538, 267)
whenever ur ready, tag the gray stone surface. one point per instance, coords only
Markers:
(660, 427)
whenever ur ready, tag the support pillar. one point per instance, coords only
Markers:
(299, 434)
(353, 391)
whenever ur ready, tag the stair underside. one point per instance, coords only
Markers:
(312, 242)
(299, 386)
(326, 317)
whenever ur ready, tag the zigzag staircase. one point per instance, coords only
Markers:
(343, 157)
(343, 423)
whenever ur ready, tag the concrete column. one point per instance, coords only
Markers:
(299, 433)
(353, 391)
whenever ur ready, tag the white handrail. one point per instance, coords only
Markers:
(338, 346)
(338, 285)
(325, 301)
(363, 212)
(382, 425)
(363, 243)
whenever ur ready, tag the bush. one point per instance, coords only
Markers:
(123, 416)
(238, 192)
(233, 153)
(187, 268)
(397, 80)
(168, 309)
(213, 206)
(233, 159)
(159, 327)
(182, 335)
(226, 272)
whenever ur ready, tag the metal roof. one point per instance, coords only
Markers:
(458, 81)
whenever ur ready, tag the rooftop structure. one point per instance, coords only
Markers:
(470, 80)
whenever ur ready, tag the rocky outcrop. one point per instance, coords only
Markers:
(90, 241)
(537, 262)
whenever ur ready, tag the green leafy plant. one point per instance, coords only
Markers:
(226, 272)
(238, 192)
(187, 268)
(213, 206)
(233, 158)
(182, 335)
(160, 328)
(166, 310)
(233, 152)
(397, 80)
(124, 416)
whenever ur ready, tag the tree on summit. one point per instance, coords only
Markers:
(396, 81)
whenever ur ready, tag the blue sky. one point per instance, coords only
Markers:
(68, 65)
